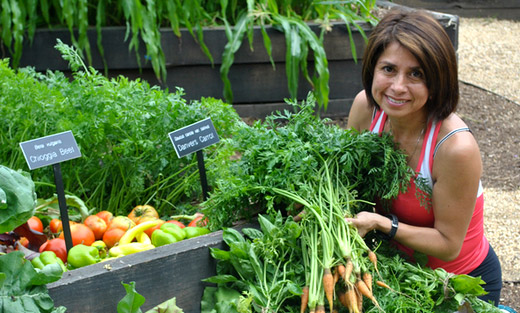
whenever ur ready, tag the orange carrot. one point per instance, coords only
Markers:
(352, 301)
(349, 267)
(341, 271)
(359, 298)
(383, 284)
(342, 297)
(367, 278)
(328, 286)
(320, 308)
(305, 299)
(336, 276)
(363, 289)
(373, 258)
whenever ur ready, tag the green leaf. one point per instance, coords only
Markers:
(23, 288)
(220, 279)
(132, 301)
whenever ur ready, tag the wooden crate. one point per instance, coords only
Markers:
(174, 270)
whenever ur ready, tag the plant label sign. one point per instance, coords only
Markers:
(194, 137)
(50, 149)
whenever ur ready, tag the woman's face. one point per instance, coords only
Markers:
(399, 85)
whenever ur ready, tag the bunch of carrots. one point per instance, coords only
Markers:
(338, 263)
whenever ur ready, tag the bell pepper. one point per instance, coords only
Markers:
(173, 229)
(168, 233)
(82, 255)
(194, 231)
(102, 248)
(46, 258)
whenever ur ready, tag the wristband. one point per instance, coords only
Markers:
(395, 225)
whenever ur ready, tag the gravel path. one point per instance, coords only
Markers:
(489, 57)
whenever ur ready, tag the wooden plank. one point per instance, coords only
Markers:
(503, 9)
(174, 270)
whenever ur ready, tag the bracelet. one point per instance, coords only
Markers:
(395, 225)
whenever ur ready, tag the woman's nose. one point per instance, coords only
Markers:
(399, 82)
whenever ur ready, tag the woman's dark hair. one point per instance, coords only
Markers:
(426, 39)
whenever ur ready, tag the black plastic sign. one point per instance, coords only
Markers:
(194, 137)
(50, 149)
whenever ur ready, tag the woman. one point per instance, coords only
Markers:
(411, 91)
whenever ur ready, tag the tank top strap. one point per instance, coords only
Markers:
(378, 121)
(425, 164)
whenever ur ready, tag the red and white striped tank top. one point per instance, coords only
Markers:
(414, 206)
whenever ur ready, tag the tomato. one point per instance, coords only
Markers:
(56, 245)
(200, 220)
(149, 231)
(112, 236)
(35, 224)
(122, 222)
(141, 211)
(97, 225)
(176, 222)
(107, 216)
(80, 233)
(55, 225)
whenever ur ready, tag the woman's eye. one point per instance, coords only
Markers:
(387, 69)
(416, 74)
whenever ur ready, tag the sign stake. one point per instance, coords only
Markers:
(202, 174)
(64, 214)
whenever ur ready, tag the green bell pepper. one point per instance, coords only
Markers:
(174, 230)
(161, 238)
(46, 258)
(82, 255)
(168, 233)
(194, 231)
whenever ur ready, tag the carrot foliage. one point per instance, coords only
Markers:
(286, 151)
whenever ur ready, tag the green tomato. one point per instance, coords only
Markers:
(82, 255)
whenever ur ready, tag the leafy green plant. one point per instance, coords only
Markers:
(263, 263)
(121, 127)
(144, 19)
(286, 151)
(23, 288)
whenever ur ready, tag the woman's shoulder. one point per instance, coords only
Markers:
(455, 142)
(360, 115)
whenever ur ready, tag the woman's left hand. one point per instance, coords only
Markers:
(365, 222)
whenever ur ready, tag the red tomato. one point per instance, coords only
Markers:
(35, 224)
(180, 224)
(141, 211)
(56, 245)
(112, 236)
(55, 225)
(149, 231)
(122, 222)
(80, 234)
(107, 216)
(199, 221)
(97, 225)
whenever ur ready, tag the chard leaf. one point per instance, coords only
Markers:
(23, 288)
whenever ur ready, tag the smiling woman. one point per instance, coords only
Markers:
(411, 90)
